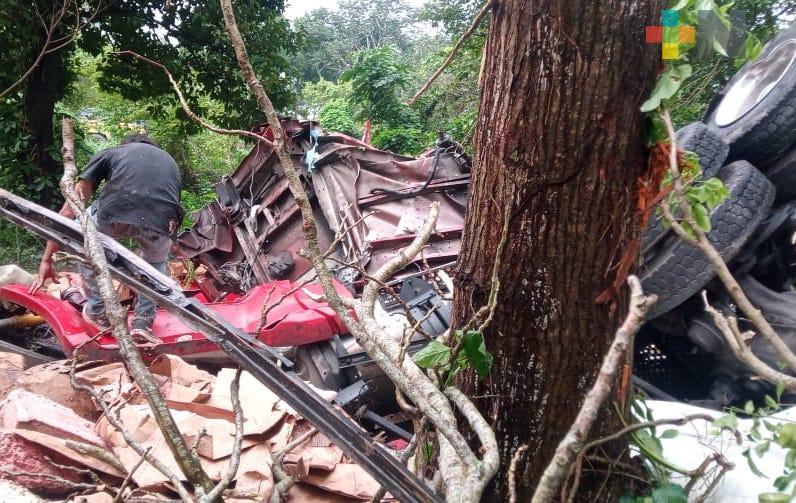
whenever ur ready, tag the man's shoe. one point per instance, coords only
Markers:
(100, 322)
(143, 335)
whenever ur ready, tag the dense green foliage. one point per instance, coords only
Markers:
(332, 36)
(188, 37)
(368, 58)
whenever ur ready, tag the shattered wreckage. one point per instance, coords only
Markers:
(246, 294)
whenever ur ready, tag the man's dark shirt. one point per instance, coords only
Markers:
(142, 186)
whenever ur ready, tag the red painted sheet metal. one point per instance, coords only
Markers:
(295, 318)
(64, 319)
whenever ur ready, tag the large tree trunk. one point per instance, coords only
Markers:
(559, 138)
(41, 93)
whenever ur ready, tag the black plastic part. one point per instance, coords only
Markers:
(385, 424)
(352, 397)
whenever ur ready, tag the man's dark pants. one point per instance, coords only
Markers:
(153, 247)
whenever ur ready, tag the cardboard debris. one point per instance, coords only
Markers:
(259, 404)
(93, 498)
(11, 366)
(181, 372)
(345, 480)
(200, 404)
(110, 381)
(68, 449)
(12, 274)
(254, 473)
(24, 410)
(317, 458)
(51, 380)
(10, 491)
(306, 493)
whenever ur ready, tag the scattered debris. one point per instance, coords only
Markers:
(42, 439)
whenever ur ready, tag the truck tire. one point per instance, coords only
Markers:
(677, 270)
(782, 174)
(756, 114)
(712, 150)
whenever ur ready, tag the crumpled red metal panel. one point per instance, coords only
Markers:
(349, 180)
(296, 317)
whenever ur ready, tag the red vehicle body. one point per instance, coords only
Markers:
(294, 318)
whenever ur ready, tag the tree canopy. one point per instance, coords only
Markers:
(185, 36)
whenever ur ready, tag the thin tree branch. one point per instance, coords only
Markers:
(488, 309)
(51, 44)
(185, 107)
(284, 481)
(728, 326)
(118, 425)
(120, 493)
(54, 21)
(403, 459)
(431, 399)
(234, 459)
(512, 483)
(473, 26)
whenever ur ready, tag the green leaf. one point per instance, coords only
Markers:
(762, 448)
(669, 493)
(667, 86)
(718, 47)
(787, 436)
(780, 390)
(752, 466)
(728, 421)
(790, 458)
(773, 498)
(749, 407)
(679, 5)
(702, 218)
(428, 451)
(771, 403)
(655, 130)
(648, 443)
(672, 433)
(753, 46)
(475, 349)
(781, 483)
(434, 354)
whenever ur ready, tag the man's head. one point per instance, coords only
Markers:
(139, 138)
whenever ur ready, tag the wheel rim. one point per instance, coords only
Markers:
(755, 84)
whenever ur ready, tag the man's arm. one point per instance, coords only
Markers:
(84, 189)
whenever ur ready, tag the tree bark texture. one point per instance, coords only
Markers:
(559, 139)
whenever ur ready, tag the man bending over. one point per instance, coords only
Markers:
(140, 200)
